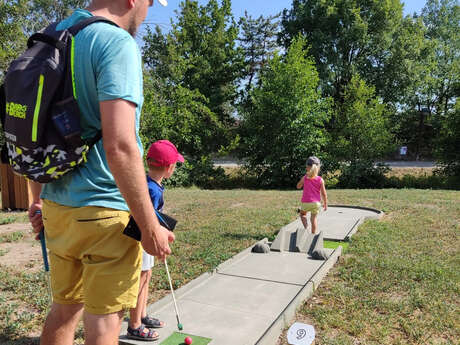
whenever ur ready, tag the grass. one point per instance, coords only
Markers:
(397, 283)
(12, 237)
(178, 339)
(8, 217)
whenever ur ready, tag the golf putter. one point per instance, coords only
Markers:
(46, 265)
(179, 325)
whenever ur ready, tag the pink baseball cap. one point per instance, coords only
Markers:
(164, 153)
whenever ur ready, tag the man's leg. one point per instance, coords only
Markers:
(102, 329)
(60, 324)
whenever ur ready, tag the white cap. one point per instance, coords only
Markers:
(163, 2)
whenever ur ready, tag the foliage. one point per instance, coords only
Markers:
(362, 174)
(360, 131)
(426, 49)
(198, 172)
(284, 125)
(448, 142)
(258, 40)
(442, 20)
(179, 115)
(13, 39)
(200, 53)
(44, 12)
(346, 37)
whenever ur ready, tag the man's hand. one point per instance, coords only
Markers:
(158, 243)
(35, 217)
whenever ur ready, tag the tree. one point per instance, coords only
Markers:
(361, 136)
(258, 40)
(425, 62)
(203, 45)
(44, 12)
(362, 127)
(200, 54)
(285, 122)
(13, 39)
(448, 141)
(179, 115)
(442, 20)
(346, 37)
(20, 18)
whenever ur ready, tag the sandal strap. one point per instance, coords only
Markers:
(151, 321)
(142, 332)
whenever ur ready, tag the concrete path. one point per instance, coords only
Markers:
(251, 298)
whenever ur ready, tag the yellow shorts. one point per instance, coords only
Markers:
(313, 207)
(91, 261)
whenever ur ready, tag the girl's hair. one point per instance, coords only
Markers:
(313, 171)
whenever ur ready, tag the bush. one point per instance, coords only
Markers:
(199, 172)
(362, 174)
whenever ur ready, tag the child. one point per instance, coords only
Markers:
(161, 159)
(313, 190)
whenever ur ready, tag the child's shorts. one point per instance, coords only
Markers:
(312, 207)
(91, 261)
(147, 261)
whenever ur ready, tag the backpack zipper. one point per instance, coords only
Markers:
(37, 108)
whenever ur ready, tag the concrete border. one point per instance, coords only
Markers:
(379, 212)
(271, 335)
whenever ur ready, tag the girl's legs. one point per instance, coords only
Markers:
(303, 218)
(314, 222)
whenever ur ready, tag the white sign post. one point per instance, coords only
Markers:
(301, 334)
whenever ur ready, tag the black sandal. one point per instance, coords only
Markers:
(142, 333)
(151, 322)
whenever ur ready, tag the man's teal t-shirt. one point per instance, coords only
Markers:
(107, 66)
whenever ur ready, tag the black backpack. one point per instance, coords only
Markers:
(38, 108)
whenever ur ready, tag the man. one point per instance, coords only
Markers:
(94, 267)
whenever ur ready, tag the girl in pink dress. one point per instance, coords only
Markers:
(313, 191)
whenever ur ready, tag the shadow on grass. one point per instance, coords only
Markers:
(19, 341)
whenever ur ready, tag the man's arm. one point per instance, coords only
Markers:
(125, 162)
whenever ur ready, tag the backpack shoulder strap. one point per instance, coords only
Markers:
(85, 22)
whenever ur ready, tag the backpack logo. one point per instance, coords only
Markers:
(16, 110)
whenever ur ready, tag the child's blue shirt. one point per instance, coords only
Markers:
(156, 193)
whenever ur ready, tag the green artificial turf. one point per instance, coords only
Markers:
(335, 244)
(178, 339)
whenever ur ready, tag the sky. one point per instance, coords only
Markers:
(162, 15)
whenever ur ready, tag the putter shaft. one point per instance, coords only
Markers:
(172, 292)
(41, 236)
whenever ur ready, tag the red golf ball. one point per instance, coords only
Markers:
(188, 340)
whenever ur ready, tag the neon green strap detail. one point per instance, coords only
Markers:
(37, 107)
(72, 58)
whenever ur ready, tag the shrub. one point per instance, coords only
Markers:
(362, 174)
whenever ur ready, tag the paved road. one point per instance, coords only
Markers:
(391, 164)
